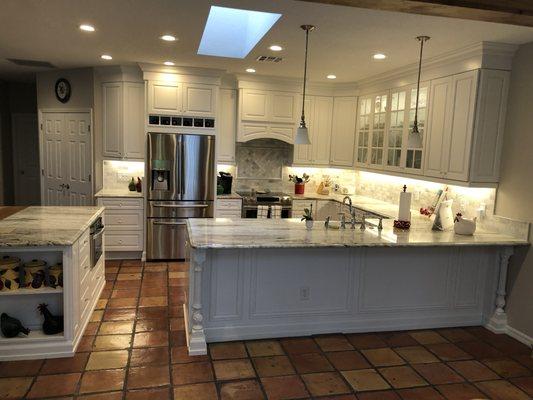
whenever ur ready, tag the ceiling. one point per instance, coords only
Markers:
(129, 30)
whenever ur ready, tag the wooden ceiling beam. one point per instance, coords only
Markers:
(513, 12)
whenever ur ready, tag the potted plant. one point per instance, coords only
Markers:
(308, 217)
(299, 183)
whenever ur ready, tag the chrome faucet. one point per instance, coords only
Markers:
(343, 221)
(349, 202)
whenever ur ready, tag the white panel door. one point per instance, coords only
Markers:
(440, 108)
(67, 160)
(134, 136)
(79, 165)
(26, 159)
(343, 131)
(254, 105)
(457, 149)
(321, 134)
(283, 107)
(54, 159)
(227, 126)
(199, 99)
(112, 117)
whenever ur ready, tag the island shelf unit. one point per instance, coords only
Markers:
(82, 286)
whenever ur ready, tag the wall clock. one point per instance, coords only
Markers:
(62, 89)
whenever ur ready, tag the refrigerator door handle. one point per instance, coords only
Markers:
(182, 167)
(169, 223)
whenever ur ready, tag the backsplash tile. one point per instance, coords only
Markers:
(117, 174)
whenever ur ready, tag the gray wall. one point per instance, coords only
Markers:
(515, 193)
(81, 83)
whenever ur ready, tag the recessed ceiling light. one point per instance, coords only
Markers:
(276, 47)
(379, 56)
(250, 70)
(331, 76)
(169, 63)
(168, 38)
(106, 57)
(87, 28)
(232, 32)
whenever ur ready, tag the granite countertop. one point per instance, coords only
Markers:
(375, 206)
(224, 233)
(231, 195)
(117, 193)
(46, 226)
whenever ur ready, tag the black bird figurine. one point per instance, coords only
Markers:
(11, 327)
(52, 324)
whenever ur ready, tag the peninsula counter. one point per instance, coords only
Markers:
(252, 279)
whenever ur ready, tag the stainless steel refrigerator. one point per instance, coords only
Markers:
(181, 172)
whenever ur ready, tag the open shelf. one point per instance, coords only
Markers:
(30, 291)
(34, 336)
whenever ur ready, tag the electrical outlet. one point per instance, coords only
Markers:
(304, 293)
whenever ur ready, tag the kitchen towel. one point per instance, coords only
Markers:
(404, 212)
(275, 212)
(262, 211)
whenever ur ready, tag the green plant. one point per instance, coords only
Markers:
(308, 215)
(296, 179)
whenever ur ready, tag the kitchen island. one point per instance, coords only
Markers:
(60, 237)
(252, 279)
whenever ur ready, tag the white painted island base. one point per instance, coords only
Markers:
(255, 293)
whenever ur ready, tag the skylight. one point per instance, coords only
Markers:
(231, 32)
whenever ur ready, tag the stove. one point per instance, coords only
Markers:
(250, 201)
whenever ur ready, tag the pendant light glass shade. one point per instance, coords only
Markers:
(421, 39)
(302, 133)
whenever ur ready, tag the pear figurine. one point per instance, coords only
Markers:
(11, 327)
(52, 324)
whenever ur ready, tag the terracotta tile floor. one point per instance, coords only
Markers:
(134, 349)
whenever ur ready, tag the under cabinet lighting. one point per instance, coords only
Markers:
(87, 28)
(232, 32)
(250, 70)
(106, 57)
(169, 63)
(168, 38)
(331, 76)
(379, 56)
(276, 47)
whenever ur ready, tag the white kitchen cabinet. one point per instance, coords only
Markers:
(123, 120)
(283, 107)
(319, 111)
(264, 131)
(124, 225)
(228, 208)
(371, 130)
(164, 97)
(343, 131)
(199, 99)
(178, 98)
(254, 105)
(227, 126)
(466, 126)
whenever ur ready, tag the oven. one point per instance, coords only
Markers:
(96, 241)
(251, 212)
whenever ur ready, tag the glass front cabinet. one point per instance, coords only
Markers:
(385, 138)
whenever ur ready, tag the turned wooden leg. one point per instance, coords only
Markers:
(498, 321)
(197, 344)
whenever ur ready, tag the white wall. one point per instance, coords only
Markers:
(515, 193)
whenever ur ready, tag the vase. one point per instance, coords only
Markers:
(299, 188)
(309, 224)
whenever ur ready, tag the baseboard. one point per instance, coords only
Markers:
(520, 336)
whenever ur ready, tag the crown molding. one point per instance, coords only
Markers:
(181, 70)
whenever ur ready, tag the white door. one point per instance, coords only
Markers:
(67, 161)
(26, 159)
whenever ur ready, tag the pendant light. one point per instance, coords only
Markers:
(302, 133)
(421, 39)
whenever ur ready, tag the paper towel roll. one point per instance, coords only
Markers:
(404, 212)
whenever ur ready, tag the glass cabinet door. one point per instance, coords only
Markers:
(396, 128)
(363, 130)
(378, 130)
(415, 141)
